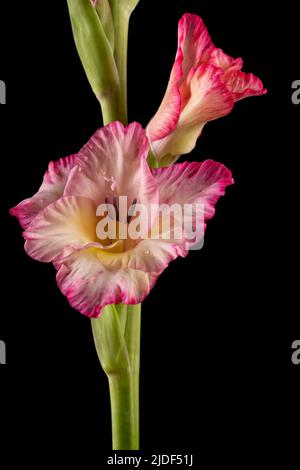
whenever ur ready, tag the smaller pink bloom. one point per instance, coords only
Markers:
(204, 85)
(61, 219)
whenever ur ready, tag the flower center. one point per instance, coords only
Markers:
(113, 209)
(117, 217)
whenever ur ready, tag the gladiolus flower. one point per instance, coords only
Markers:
(60, 220)
(204, 85)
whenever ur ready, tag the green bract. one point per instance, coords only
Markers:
(104, 12)
(96, 54)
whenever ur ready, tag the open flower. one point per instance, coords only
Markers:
(204, 84)
(61, 220)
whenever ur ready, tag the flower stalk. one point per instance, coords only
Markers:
(100, 31)
(117, 340)
(120, 357)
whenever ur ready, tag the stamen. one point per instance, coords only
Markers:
(116, 206)
(131, 210)
(111, 213)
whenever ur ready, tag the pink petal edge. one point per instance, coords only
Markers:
(52, 188)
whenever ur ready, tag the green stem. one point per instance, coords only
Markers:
(125, 427)
(111, 109)
(133, 342)
(117, 332)
(117, 339)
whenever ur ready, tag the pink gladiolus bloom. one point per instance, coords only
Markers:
(204, 85)
(60, 219)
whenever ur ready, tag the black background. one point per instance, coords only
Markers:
(216, 371)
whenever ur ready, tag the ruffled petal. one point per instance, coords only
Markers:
(218, 58)
(194, 46)
(89, 285)
(51, 189)
(194, 41)
(209, 99)
(113, 162)
(188, 183)
(67, 224)
(242, 85)
(197, 184)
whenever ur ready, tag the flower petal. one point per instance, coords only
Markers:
(195, 42)
(242, 85)
(114, 162)
(188, 183)
(166, 118)
(67, 224)
(194, 46)
(89, 286)
(218, 58)
(154, 255)
(148, 255)
(51, 189)
(209, 99)
(193, 183)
